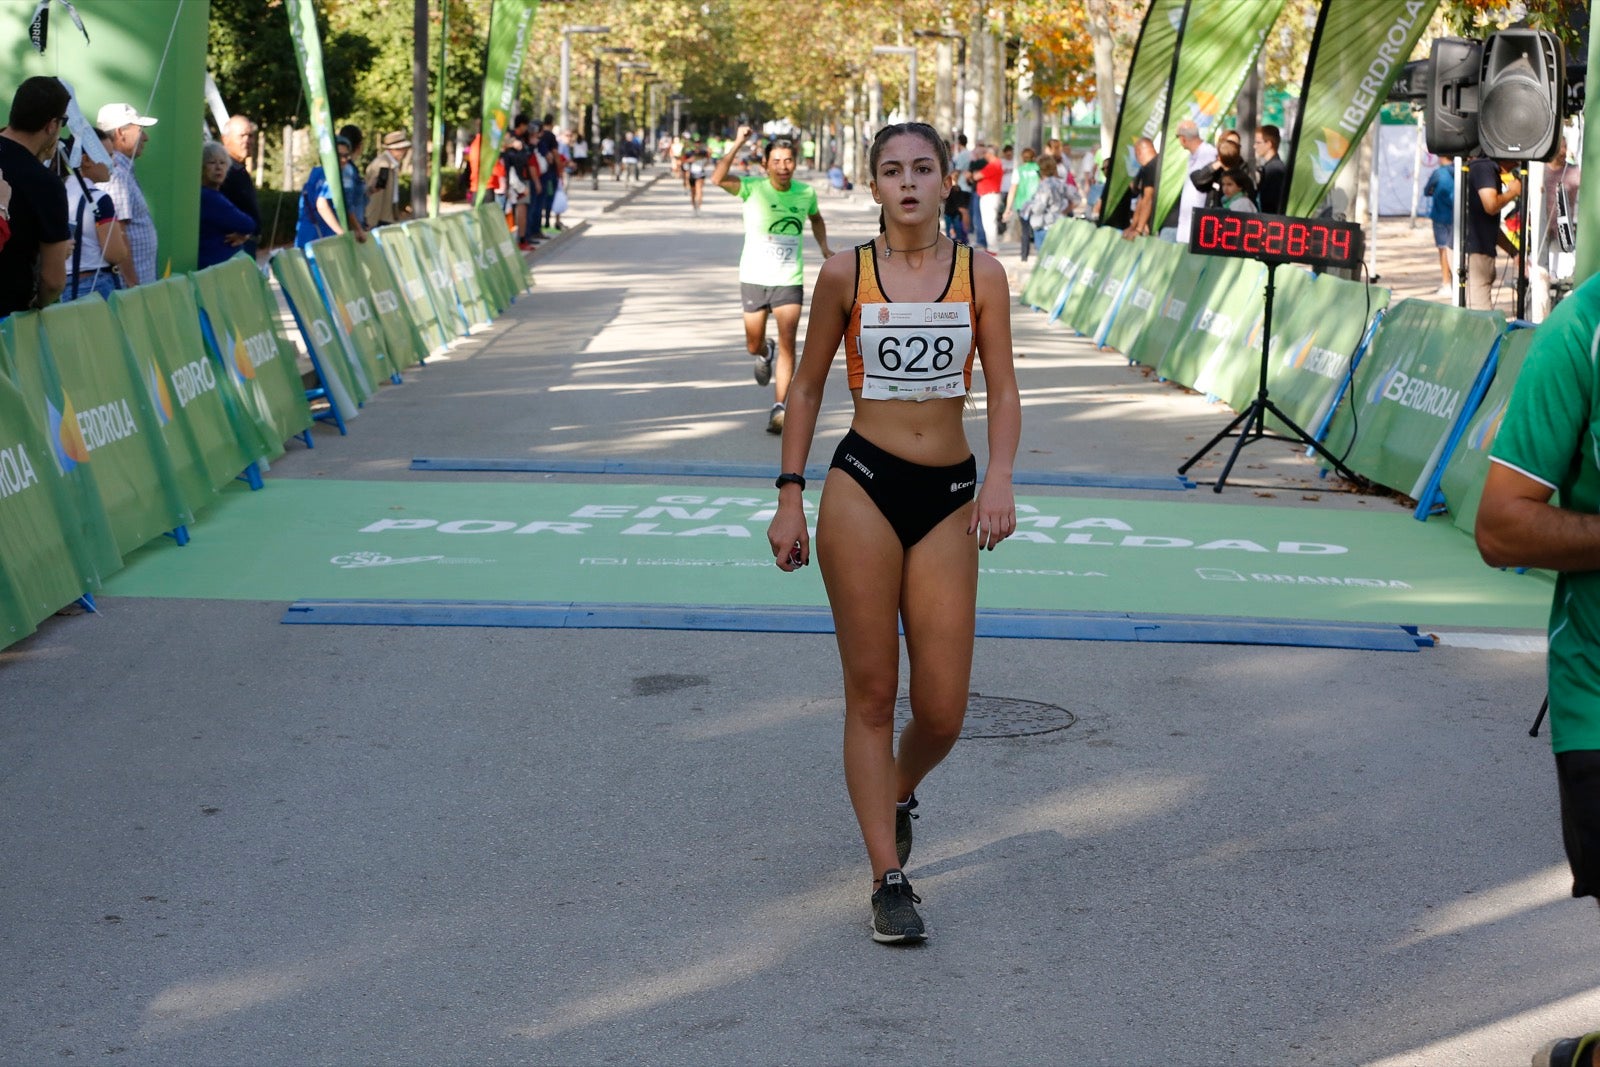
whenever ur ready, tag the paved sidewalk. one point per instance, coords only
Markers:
(231, 841)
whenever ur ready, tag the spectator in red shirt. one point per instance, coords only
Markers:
(986, 184)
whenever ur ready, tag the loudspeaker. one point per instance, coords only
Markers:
(1450, 124)
(1521, 95)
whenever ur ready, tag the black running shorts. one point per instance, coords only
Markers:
(757, 297)
(1578, 773)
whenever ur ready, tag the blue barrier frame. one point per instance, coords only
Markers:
(1432, 501)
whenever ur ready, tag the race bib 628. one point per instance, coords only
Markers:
(915, 351)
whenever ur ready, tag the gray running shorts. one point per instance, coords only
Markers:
(757, 297)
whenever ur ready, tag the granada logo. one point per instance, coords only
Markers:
(883, 315)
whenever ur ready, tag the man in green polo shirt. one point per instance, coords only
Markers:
(771, 271)
(1548, 445)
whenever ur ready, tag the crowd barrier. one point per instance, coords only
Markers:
(122, 420)
(1408, 396)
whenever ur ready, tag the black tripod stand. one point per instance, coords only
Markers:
(1251, 423)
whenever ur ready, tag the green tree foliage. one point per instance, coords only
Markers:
(251, 56)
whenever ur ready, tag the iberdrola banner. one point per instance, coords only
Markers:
(1144, 101)
(508, 44)
(1357, 53)
(308, 53)
(1221, 41)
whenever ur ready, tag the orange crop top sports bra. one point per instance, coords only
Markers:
(904, 350)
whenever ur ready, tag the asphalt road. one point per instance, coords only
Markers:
(231, 841)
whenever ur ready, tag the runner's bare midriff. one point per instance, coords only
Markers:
(928, 432)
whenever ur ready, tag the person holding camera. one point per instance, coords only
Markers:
(383, 180)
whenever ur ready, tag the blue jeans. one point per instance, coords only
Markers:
(89, 282)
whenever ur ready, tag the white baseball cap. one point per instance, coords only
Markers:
(116, 116)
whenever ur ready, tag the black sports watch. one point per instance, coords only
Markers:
(785, 479)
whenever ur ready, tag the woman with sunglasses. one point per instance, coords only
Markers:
(771, 269)
(902, 518)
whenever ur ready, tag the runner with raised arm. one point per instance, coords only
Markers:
(771, 269)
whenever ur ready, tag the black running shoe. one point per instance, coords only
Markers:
(764, 363)
(775, 419)
(894, 919)
(1566, 1051)
(903, 814)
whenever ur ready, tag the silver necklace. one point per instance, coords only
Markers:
(887, 251)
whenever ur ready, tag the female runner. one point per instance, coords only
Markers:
(895, 532)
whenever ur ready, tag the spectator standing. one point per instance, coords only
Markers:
(547, 151)
(1539, 509)
(1272, 174)
(224, 229)
(1560, 196)
(1235, 189)
(1208, 178)
(1142, 192)
(239, 138)
(580, 153)
(1024, 180)
(317, 216)
(1487, 194)
(986, 184)
(33, 263)
(1441, 191)
(383, 179)
(100, 245)
(128, 138)
(1201, 155)
(1051, 199)
(353, 184)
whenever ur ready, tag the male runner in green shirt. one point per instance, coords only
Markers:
(1549, 443)
(771, 272)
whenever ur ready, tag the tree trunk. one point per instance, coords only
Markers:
(1105, 71)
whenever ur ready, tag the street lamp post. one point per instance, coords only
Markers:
(961, 71)
(566, 66)
(904, 50)
(594, 119)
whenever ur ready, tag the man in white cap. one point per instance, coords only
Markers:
(128, 139)
(383, 180)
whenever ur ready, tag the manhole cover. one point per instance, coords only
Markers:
(999, 717)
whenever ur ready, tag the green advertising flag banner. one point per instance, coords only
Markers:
(495, 234)
(402, 341)
(1217, 49)
(1144, 100)
(244, 324)
(416, 294)
(308, 54)
(508, 44)
(152, 56)
(1466, 469)
(1172, 313)
(38, 570)
(1357, 53)
(347, 381)
(1409, 391)
(1145, 291)
(116, 421)
(89, 535)
(202, 416)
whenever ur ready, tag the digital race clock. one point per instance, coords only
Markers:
(1276, 238)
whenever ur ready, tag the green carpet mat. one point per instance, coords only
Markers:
(639, 544)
